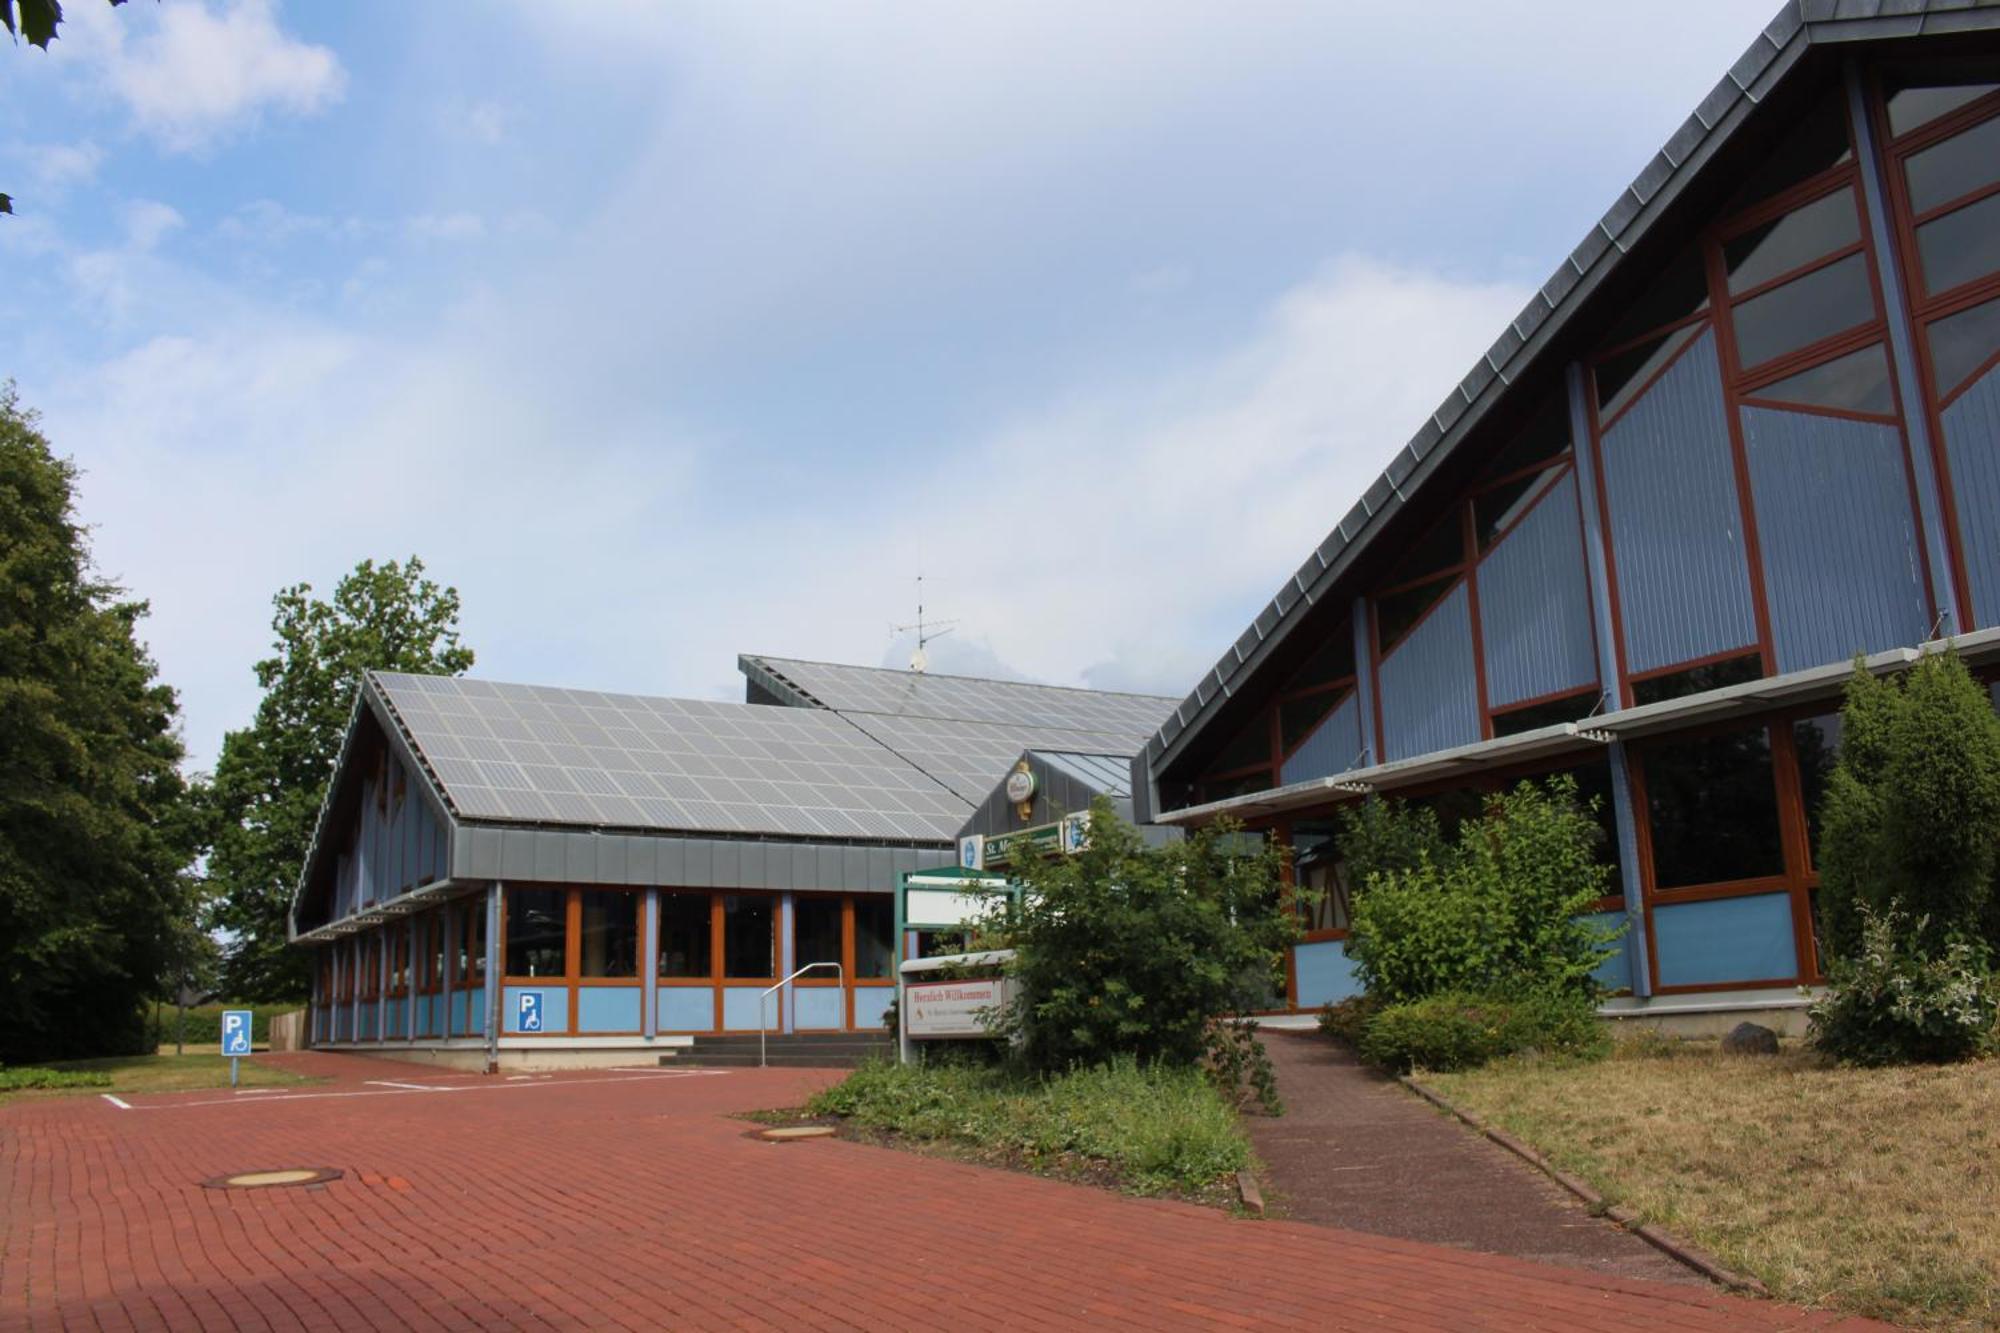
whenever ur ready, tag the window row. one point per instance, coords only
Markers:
(596, 934)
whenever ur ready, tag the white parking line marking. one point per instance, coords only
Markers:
(123, 1106)
(413, 1087)
(405, 1089)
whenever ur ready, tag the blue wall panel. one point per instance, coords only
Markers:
(555, 1008)
(871, 1004)
(1324, 973)
(1615, 972)
(1842, 561)
(1534, 604)
(1676, 524)
(687, 1009)
(740, 1009)
(1724, 940)
(1972, 444)
(1430, 699)
(818, 1007)
(1331, 748)
(608, 1009)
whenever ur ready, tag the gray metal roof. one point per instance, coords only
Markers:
(881, 690)
(1108, 773)
(962, 730)
(1775, 51)
(544, 755)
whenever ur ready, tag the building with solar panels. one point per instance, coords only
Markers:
(520, 873)
(1748, 430)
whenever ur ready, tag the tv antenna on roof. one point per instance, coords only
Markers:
(926, 631)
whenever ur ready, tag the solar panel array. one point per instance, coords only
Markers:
(963, 731)
(1108, 773)
(852, 689)
(540, 754)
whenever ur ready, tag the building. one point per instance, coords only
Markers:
(1749, 429)
(517, 872)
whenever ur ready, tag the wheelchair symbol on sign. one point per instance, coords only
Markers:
(531, 1011)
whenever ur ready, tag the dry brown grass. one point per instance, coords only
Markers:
(1875, 1191)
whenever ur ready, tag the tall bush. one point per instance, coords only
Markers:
(1503, 911)
(1911, 819)
(1125, 949)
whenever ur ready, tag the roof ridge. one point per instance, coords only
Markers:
(953, 675)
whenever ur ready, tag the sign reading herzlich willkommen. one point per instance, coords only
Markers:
(955, 1008)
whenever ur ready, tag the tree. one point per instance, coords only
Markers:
(272, 776)
(1125, 949)
(96, 829)
(1911, 820)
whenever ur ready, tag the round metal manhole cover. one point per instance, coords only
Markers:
(259, 1180)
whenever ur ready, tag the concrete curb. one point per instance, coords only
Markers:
(1248, 1192)
(1665, 1242)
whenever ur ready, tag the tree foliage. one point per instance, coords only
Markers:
(1125, 949)
(272, 776)
(96, 829)
(1911, 818)
(1503, 911)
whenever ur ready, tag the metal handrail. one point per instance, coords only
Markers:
(764, 1023)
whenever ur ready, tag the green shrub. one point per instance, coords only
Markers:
(1158, 1127)
(1130, 950)
(204, 1023)
(1894, 1001)
(1503, 911)
(1345, 1019)
(22, 1077)
(1240, 1067)
(1911, 819)
(1462, 1031)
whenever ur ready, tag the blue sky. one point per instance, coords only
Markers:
(668, 331)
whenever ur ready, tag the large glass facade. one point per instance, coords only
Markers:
(1712, 806)
(609, 933)
(686, 941)
(749, 937)
(816, 930)
(874, 937)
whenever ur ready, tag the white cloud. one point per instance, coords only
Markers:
(147, 220)
(446, 227)
(59, 166)
(200, 72)
(483, 121)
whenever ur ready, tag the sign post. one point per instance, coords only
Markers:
(235, 1039)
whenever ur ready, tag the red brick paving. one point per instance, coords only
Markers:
(603, 1200)
(1356, 1149)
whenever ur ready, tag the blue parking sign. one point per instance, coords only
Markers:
(236, 1032)
(531, 1011)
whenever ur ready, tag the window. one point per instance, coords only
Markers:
(609, 933)
(748, 938)
(399, 958)
(1497, 510)
(1961, 344)
(685, 941)
(1816, 741)
(1857, 382)
(1713, 807)
(1571, 708)
(1680, 292)
(1320, 873)
(1331, 662)
(1679, 684)
(816, 933)
(537, 932)
(1953, 168)
(1802, 312)
(1962, 245)
(1793, 240)
(472, 943)
(874, 937)
(1298, 717)
(1913, 108)
(1544, 440)
(1397, 613)
(1622, 375)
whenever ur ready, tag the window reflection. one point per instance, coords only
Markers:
(1954, 168)
(1803, 311)
(1962, 343)
(1713, 807)
(1797, 238)
(874, 936)
(610, 933)
(684, 935)
(1817, 742)
(748, 937)
(1960, 246)
(1913, 108)
(537, 932)
(816, 933)
(1857, 382)
(1319, 869)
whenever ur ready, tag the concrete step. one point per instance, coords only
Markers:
(774, 1060)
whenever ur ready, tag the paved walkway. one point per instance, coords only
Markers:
(631, 1200)
(1356, 1149)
